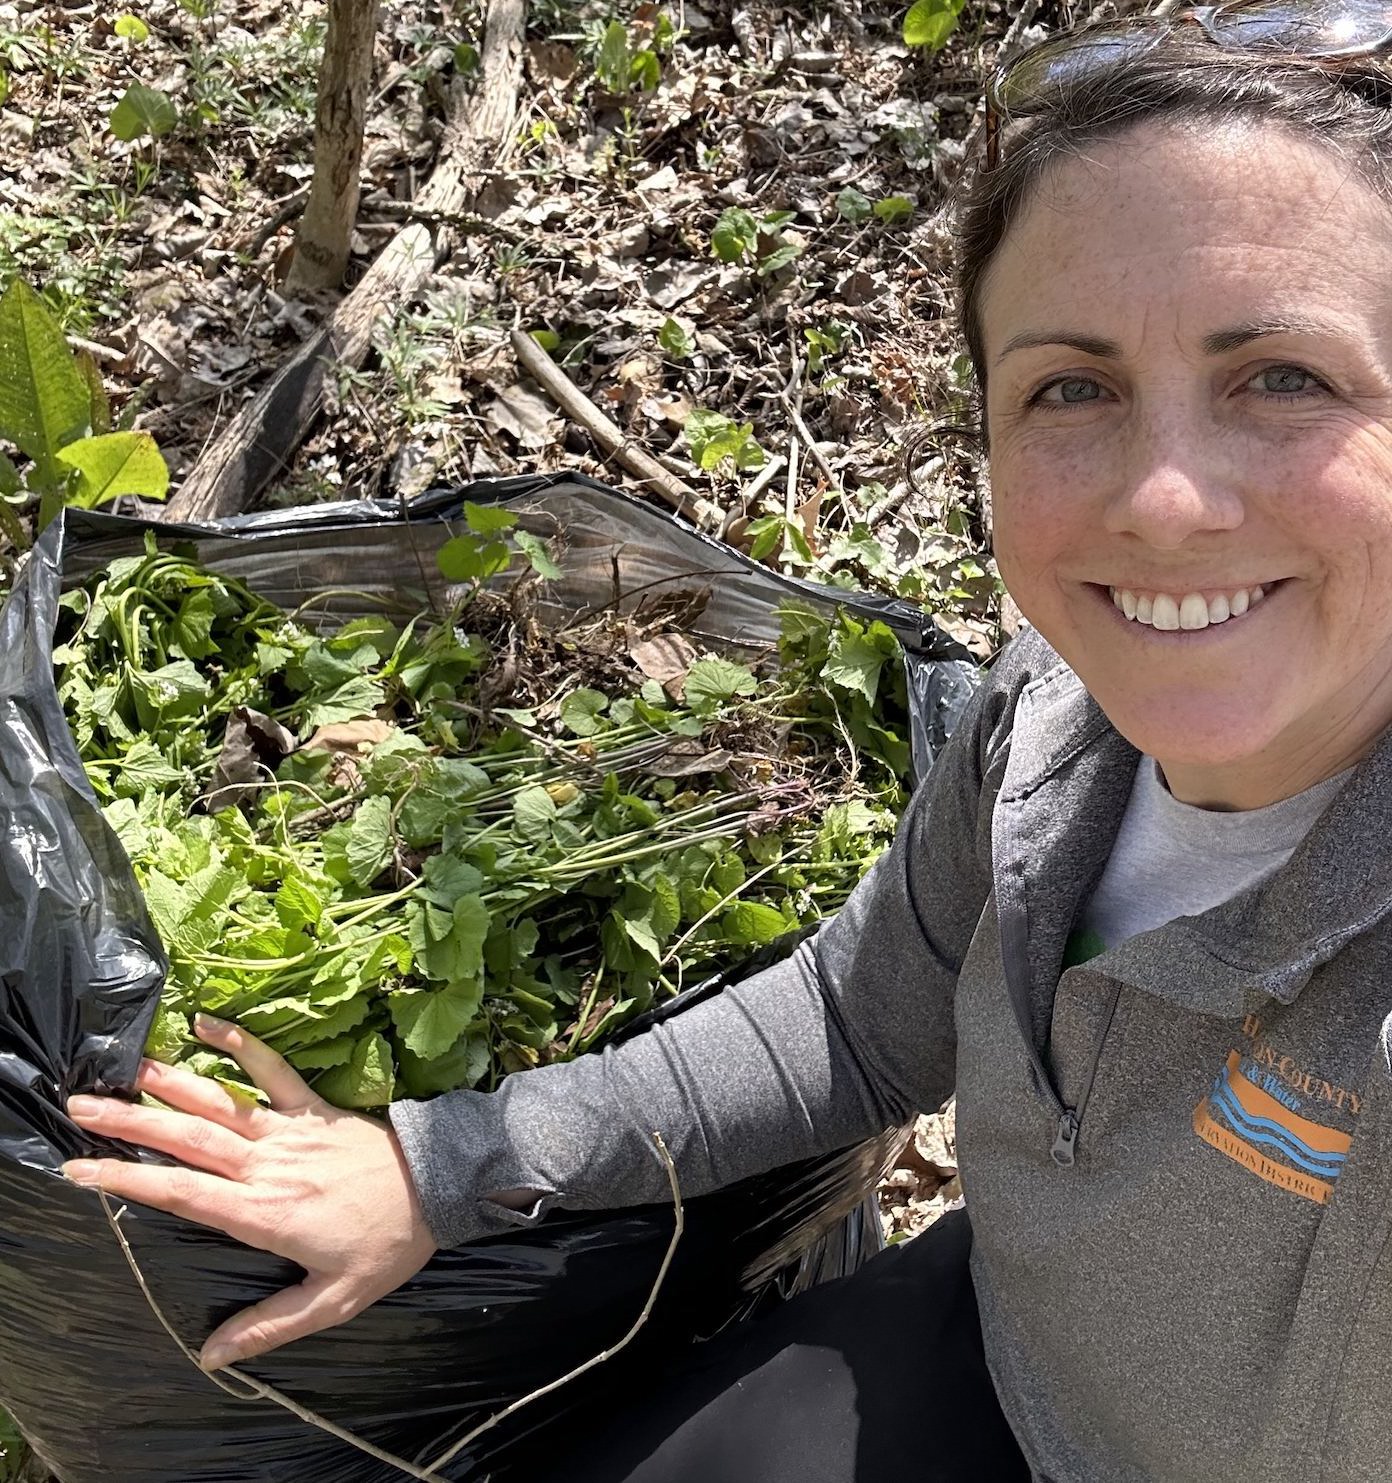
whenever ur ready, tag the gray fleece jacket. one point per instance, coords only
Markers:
(1177, 1156)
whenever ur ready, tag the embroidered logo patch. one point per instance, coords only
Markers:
(1261, 1132)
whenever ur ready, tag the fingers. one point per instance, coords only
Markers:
(287, 1089)
(296, 1312)
(202, 1198)
(237, 1210)
(204, 1098)
(195, 1140)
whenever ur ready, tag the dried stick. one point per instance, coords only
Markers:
(809, 442)
(580, 409)
(286, 212)
(98, 351)
(598, 1359)
(259, 1390)
(461, 220)
(790, 493)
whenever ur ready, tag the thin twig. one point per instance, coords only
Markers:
(898, 496)
(465, 221)
(790, 495)
(756, 486)
(98, 351)
(287, 212)
(762, 479)
(580, 409)
(811, 443)
(259, 1390)
(598, 1359)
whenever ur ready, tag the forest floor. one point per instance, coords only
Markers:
(720, 220)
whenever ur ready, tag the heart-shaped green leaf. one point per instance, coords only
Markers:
(143, 111)
(116, 464)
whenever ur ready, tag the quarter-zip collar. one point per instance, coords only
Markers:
(1063, 795)
(1067, 767)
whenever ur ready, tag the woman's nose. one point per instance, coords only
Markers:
(1171, 491)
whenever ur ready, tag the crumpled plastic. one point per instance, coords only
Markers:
(96, 1384)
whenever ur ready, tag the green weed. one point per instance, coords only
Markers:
(74, 255)
(15, 1457)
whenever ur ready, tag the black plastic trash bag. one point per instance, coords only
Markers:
(97, 1385)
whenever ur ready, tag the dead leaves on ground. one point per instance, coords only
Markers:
(596, 236)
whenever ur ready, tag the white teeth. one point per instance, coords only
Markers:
(1164, 612)
(1191, 611)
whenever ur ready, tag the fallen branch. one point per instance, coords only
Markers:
(609, 435)
(260, 441)
(286, 212)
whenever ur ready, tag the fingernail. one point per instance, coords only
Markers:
(216, 1358)
(81, 1171)
(83, 1106)
(207, 1024)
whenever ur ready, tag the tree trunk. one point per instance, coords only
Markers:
(325, 234)
(260, 441)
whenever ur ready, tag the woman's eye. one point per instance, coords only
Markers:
(1285, 382)
(1069, 391)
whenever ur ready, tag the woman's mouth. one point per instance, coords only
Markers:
(1188, 610)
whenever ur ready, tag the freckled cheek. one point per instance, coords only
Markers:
(1042, 519)
(1338, 511)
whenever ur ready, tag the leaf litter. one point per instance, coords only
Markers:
(730, 247)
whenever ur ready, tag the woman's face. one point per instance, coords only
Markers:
(1188, 342)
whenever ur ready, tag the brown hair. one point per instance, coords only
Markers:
(1184, 81)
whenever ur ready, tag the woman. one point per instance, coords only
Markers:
(1138, 915)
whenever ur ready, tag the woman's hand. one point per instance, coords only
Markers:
(324, 1188)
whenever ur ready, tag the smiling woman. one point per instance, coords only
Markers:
(1220, 434)
(1140, 914)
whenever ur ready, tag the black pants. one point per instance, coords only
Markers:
(873, 1377)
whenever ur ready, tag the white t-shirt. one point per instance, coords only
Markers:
(1173, 859)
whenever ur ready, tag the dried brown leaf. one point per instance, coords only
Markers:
(349, 736)
(666, 659)
(253, 746)
(687, 758)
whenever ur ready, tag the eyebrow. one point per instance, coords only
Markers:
(1217, 343)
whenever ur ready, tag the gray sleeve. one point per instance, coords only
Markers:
(849, 1036)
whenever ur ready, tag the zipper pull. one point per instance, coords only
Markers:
(1066, 1138)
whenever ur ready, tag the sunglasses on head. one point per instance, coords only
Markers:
(1319, 30)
